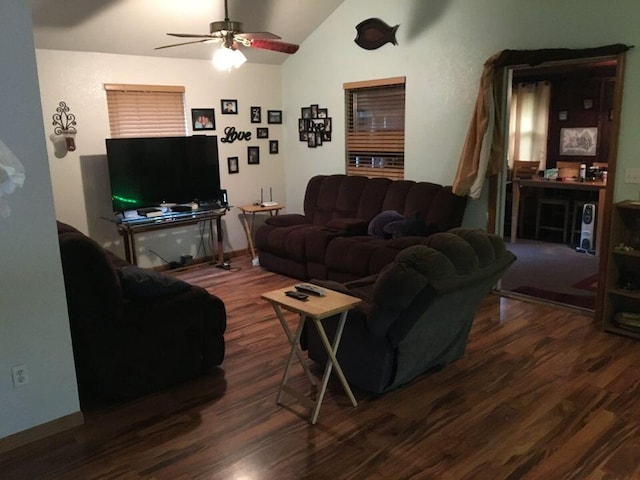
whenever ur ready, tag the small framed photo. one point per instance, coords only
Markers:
(587, 103)
(304, 136)
(233, 165)
(263, 132)
(305, 112)
(229, 107)
(326, 136)
(323, 113)
(273, 147)
(563, 115)
(327, 124)
(318, 139)
(253, 155)
(311, 140)
(314, 111)
(256, 115)
(274, 116)
(203, 119)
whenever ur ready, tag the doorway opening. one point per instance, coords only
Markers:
(561, 135)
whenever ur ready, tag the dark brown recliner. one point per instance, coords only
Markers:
(417, 312)
(134, 331)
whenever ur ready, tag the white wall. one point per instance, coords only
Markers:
(80, 180)
(442, 46)
(34, 326)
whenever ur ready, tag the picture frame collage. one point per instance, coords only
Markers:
(204, 119)
(314, 125)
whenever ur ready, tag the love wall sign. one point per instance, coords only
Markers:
(231, 135)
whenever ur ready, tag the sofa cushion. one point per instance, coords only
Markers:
(379, 222)
(139, 283)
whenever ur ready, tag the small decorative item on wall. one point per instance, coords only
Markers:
(263, 132)
(203, 119)
(274, 116)
(256, 115)
(64, 133)
(579, 141)
(231, 135)
(253, 155)
(374, 33)
(273, 147)
(563, 115)
(314, 126)
(229, 107)
(233, 165)
(587, 103)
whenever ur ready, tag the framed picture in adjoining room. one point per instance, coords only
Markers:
(203, 119)
(305, 112)
(311, 140)
(233, 165)
(263, 132)
(274, 116)
(256, 115)
(229, 107)
(323, 113)
(579, 141)
(304, 136)
(273, 146)
(253, 155)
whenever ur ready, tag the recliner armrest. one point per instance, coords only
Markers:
(352, 226)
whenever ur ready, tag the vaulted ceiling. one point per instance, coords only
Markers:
(136, 27)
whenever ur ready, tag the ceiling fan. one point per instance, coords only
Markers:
(231, 34)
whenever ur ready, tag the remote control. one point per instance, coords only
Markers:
(310, 289)
(296, 295)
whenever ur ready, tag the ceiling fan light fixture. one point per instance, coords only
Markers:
(225, 59)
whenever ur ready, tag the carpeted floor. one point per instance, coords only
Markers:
(554, 272)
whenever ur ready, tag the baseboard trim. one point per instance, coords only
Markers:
(39, 432)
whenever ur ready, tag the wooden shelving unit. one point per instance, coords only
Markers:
(622, 292)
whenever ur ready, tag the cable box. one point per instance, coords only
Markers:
(149, 212)
(181, 208)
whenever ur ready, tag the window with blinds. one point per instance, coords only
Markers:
(375, 127)
(146, 110)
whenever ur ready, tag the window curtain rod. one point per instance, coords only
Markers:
(481, 155)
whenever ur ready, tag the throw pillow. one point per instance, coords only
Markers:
(138, 283)
(377, 223)
(410, 227)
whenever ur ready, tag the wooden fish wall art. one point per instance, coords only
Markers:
(374, 33)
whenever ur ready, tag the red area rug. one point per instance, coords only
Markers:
(590, 283)
(588, 301)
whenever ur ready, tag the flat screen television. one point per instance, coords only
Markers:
(147, 172)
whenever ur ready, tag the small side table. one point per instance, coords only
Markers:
(248, 228)
(315, 308)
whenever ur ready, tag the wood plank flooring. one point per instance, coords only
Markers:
(541, 393)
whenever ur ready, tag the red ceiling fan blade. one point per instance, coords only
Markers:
(274, 46)
(259, 35)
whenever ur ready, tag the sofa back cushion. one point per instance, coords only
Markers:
(331, 197)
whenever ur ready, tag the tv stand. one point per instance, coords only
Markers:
(128, 227)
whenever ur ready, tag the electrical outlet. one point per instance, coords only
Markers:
(20, 375)
(632, 175)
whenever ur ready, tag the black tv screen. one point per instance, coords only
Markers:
(147, 172)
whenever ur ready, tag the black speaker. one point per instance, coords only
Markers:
(224, 199)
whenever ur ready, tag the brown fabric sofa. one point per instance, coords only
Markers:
(417, 312)
(133, 330)
(325, 242)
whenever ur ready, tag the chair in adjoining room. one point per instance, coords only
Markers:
(524, 169)
(553, 211)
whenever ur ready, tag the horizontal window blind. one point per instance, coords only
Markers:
(375, 118)
(146, 110)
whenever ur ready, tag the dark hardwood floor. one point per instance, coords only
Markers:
(541, 393)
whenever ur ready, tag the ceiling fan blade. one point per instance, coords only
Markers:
(192, 35)
(204, 40)
(258, 35)
(274, 46)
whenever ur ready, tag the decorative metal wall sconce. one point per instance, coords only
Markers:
(64, 133)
